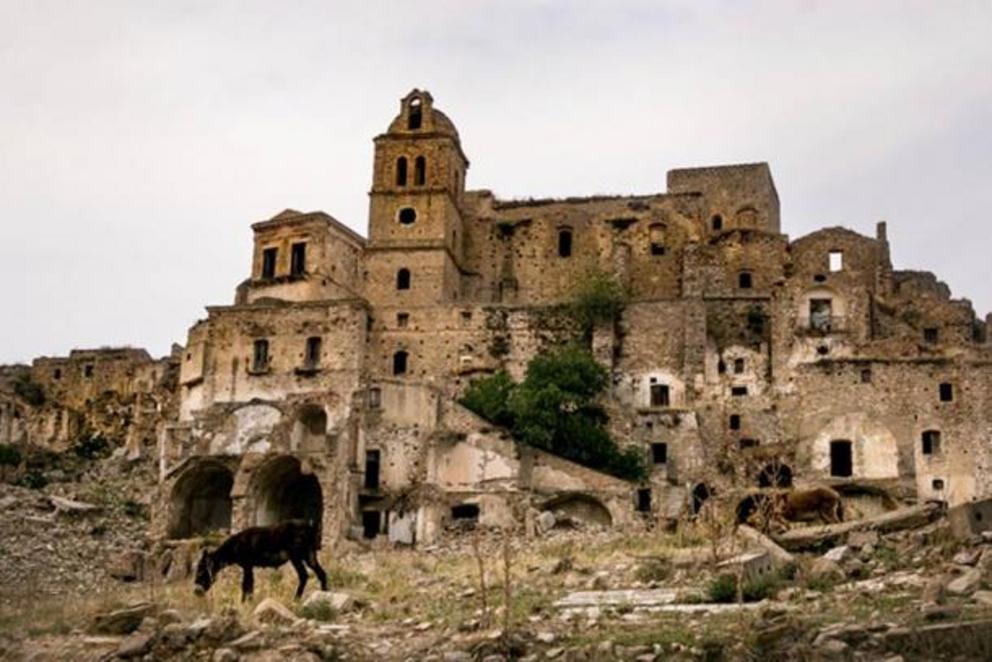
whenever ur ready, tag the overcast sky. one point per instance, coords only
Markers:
(139, 140)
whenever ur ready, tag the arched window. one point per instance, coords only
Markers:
(717, 223)
(399, 362)
(403, 279)
(401, 171)
(564, 242)
(415, 114)
(657, 239)
(419, 171)
(408, 216)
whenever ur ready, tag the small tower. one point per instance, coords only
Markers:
(415, 221)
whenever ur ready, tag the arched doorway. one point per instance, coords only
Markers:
(281, 491)
(201, 501)
(700, 493)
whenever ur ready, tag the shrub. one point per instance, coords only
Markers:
(319, 611)
(91, 447)
(598, 299)
(653, 570)
(723, 588)
(29, 390)
(10, 456)
(34, 480)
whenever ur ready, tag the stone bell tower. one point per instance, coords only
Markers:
(415, 221)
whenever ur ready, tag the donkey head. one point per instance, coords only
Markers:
(206, 571)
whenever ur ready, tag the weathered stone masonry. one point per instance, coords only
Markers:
(328, 389)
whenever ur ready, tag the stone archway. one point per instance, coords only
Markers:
(281, 490)
(581, 507)
(201, 500)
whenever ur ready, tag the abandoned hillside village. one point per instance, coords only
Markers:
(331, 387)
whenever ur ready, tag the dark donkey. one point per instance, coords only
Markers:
(295, 541)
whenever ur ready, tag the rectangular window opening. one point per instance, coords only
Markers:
(312, 357)
(738, 391)
(931, 442)
(821, 312)
(841, 459)
(402, 320)
(298, 261)
(260, 356)
(371, 523)
(937, 484)
(372, 458)
(836, 261)
(946, 392)
(269, 257)
(735, 422)
(659, 395)
(659, 453)
(375, 397)
(748, 443)
(931, 336)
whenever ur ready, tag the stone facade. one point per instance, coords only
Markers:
(328, 389)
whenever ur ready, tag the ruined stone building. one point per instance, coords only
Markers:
(328, 388)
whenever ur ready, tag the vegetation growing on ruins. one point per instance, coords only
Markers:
(555, 409)
(29, 390)
(598, 299)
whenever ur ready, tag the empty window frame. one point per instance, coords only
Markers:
(836, 260)
(946, 392)
(564, 242)
(738, 391)
(401, 171)
(466, 511)
(748, 443)
(937, 484)
(735, 422)
(372, 462)
(402, 320)
(400, 361)
(312, 356)
(931, 335)
(821, 314)
(260, 355)
(269, 258)
(375, 397)
(866, 375)
(659, 395)
(415, 114)
(744, 280)
(298, 259)
(403, 279)
(716, 223)
(659, 452)
(57, 375)
(419, 171)
(87, 371)
(657, 239)
(930, 442)
(407, 216)
(738, 366)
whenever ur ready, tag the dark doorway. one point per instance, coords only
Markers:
(700, 494)
(841, 459)
(371, 523)
(644, 500)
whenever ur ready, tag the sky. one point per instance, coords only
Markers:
(139, 140)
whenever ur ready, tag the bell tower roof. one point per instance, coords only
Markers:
(418, 115)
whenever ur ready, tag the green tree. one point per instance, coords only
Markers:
(555, 409)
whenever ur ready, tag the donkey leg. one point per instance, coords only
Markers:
(317, 570)
(247, 583)
(301, 572)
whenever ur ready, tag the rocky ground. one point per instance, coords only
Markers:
(573, 594)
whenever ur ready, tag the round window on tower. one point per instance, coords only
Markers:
(408, 215)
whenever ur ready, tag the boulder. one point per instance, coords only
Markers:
(135, 645)
(966, 583)
(837, 554)
(272, 611)
(861, 539)
(544, 522)
(224, 655)
(824, 568)
(122, 621)
(339, 602)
